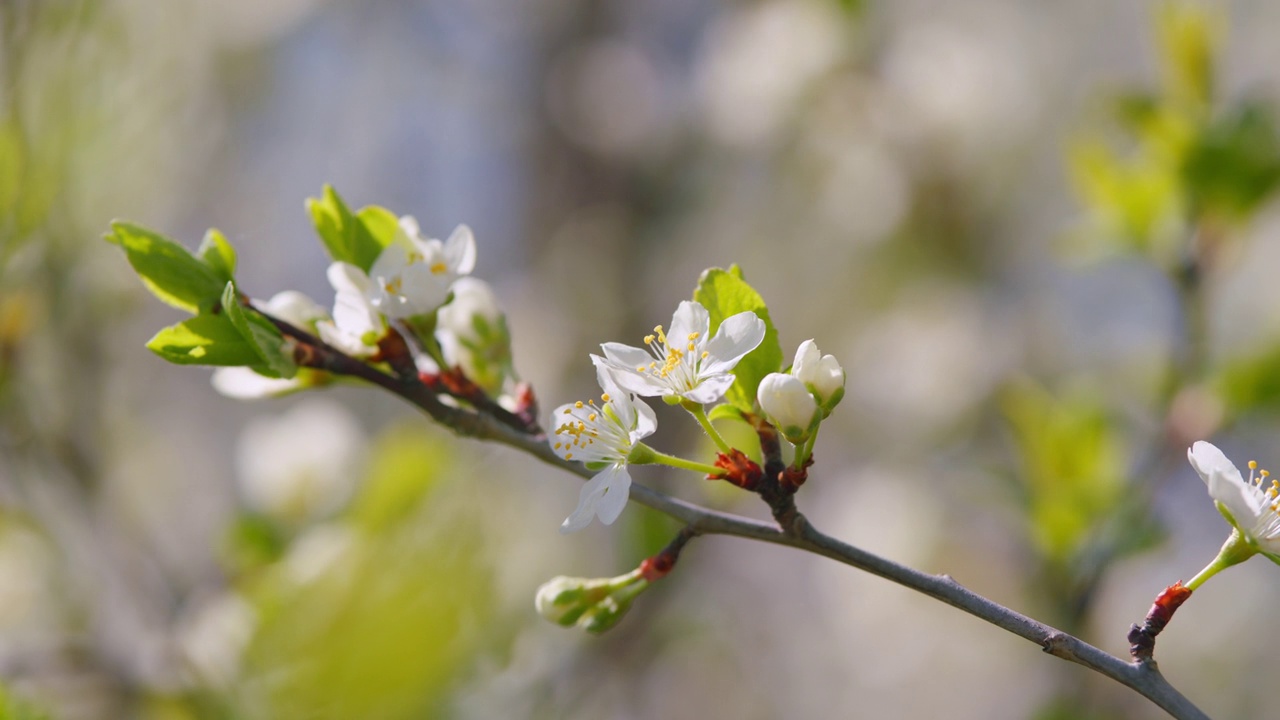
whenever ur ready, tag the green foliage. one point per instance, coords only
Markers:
(265, 338)
(397, 610)
(724, 293)
(1234, 164)
(205, 340)
(1251, 383)
(12, 708)
(356, 238)
(1189, 36)
(405, 466)
(218, 254)
(1181, 162)
(1073, 466)
(169, 271)
(251, 543)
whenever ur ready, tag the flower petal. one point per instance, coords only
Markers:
(460, 250)
(1226, 486)
(617, 490)
(736, 336)
(807, 357)
(624, 359)
(618, 398)
(646, 422)
(690, 317)
(241, 383)
(710, 389)
(589, 498)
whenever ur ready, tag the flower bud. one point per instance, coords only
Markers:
(789, 405)
(473, 334)
(593, 604)
(822, 374)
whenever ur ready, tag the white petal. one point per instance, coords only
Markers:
(345, 277)
(294, 308)
(460, 250)
(646, 422)
(736, 336)
(690, 317)
(241, 383)
(626, 375)
(618, 398)
(617, 490)
(710, 389)
(588, 498)
(807, 356)
(409, 226)
(786, 400)
(1225, 483)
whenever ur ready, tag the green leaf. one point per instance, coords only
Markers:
(218, 254)
(265, 338)
(1250, 384)
(380, 224)
(407, 464)
(1189, 37)
(725, 412)
(169, 271)
(724, 293)
(205, 340)
(1234, 165)
(353, 238)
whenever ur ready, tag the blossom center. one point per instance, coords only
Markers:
(1257, 477)
(586, 424)
(673, 363)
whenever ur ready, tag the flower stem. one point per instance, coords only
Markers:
(804, 450)
(700, 414)
(678, 462)
(1234, 550)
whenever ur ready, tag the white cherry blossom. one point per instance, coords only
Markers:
(683, 362)
(413, 274)
(1251, 506)
(601, 436)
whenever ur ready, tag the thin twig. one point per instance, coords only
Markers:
(1142, 677)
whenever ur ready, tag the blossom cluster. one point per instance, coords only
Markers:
(412, 278)
(684, 364)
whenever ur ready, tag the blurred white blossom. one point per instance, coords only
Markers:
(302, 464)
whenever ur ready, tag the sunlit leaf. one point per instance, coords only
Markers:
(169, 271)
(205, 340)
(353, 238)
(218, 254)
(724, 293)
(265, 338)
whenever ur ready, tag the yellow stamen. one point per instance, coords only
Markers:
(439, 268)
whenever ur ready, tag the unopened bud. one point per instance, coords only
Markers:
(822, 374)
(789, 405)
(593, 604)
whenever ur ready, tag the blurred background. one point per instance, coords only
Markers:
(1038, 237)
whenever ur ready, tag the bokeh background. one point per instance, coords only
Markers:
(1038, 236)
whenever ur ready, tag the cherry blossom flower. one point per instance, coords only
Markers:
(683, 362)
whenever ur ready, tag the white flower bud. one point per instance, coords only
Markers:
(473, 334)
(593, 604)
(789, 405)
(822, 374)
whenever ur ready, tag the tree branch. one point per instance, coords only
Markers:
(1142, 677)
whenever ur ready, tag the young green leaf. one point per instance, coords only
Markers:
(218, 254)
(169, 271)
(266, 340)
(204, 340)
(724, 293)
(349, 237)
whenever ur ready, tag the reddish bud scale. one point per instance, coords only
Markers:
(793, 477)
(1142, 638)
(739, 470)
(526, 404)
(656, 567)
